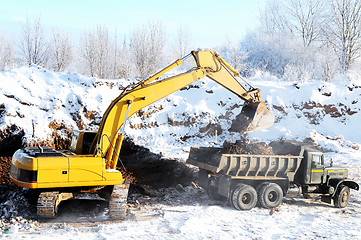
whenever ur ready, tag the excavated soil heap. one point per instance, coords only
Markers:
(10, 140)
(246, 147)
(150, 169)
(212, 156)
(287, 147)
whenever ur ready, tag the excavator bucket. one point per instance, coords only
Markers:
(253, 117)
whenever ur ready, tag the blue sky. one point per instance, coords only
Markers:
(209, 23)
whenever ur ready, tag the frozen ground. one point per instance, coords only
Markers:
(187, 213)
(326, 113)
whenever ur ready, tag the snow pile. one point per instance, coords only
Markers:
(42, 102)
(312, 110)
(325, 113)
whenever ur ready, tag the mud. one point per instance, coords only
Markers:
(150, 169)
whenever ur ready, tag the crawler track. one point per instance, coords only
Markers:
(118, 201)
(48, 204)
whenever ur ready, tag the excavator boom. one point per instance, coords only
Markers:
(254, 115)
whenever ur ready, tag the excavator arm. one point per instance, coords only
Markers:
(135, 97)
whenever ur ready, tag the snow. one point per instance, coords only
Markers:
(326, 113)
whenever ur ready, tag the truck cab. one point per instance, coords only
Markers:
(315, 178)
(315, 171)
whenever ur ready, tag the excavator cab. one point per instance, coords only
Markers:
(81, 141)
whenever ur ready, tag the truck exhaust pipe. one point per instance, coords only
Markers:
(253, 117)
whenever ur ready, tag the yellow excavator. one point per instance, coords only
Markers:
(88, 168)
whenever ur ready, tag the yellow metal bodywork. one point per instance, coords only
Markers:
(209, 64)
(114, 117)
(98, 167)
(52, 169)
(67, 171)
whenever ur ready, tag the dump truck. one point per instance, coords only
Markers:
(246, 179)
(89, 167)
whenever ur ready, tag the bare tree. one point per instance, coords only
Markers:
(33, 45)
(6, 53)
(273, 18)
(88, 52)
(61, 49)
(183, 40)
(122, 63)
(300, 18)
(343, 31)
(306, 20)
(146, 45)
(235, 56)
(97, 50)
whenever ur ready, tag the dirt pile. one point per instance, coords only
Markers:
(287, 147)
(245, 146)
(5, 163)
(212, 156)
(10, 140)
(152, 169)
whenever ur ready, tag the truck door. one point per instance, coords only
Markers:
(317, 168)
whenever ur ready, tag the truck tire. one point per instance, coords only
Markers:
(342, 196)
(270, 195)
(244, 197)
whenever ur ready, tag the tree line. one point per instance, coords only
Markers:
(98, 53)
(306, 39)
(296, 40)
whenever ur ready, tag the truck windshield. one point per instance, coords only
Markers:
(316, 160)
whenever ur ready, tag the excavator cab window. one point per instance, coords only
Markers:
(81, 141)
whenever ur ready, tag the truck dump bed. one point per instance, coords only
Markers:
(244, 165)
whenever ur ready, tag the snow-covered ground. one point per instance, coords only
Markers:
(325, 113)
(190, 215)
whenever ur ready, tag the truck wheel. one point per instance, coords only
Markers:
(244, 197)
(342, 196)
(270, 195)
